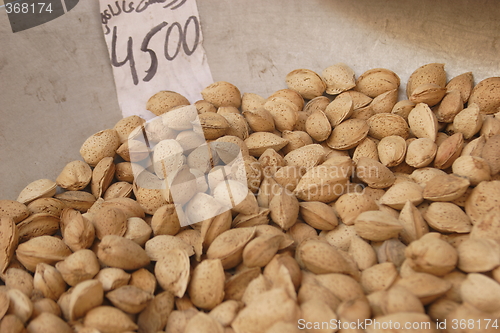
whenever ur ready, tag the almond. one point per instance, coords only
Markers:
(338, 78)
(306, 82)
(206, 287)
(377, 225)
(119, 252)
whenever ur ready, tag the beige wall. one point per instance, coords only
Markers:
(56, 87)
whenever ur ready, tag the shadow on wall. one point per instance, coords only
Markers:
(463, 29)
(272, 38)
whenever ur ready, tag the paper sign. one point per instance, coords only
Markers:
(154, 45)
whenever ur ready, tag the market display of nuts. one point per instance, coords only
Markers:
(327, 200)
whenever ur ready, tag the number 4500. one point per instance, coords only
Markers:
(169, 55)
(25, 8)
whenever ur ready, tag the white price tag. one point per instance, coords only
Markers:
(154, 45)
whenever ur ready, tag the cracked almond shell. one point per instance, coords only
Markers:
(206, 287)
(222, 93)
(109, 319)
(491, 153)
(476, 169)
(173, 272)
(366, 148)
(451, 104)
(229, 245)
(377, 225)
(318, 126)
(84, 297)
(284, 209)
(391, 150)
(349, 205)
(340, 109)
(37, 225)
(130, 299)
(42, 249)
(490, 126)
(79, 266)
(428, 93)
(384, 103)
(478, 255)
(119, 252)
(414, 225)
(377, 81)
(386, 124)
(42, 188)
(154, 317)
(126, 125)
(163, 101)
(374, 173)
(348, 134)
(323, 183)
(318, 215)
(317, 103)
(429, 73)
(79, 200)
(486, 94)
(268, 308)
(77, 231)
(259, 119)
(468, 121)
(448, 151)
(426, 287)
(49, 281)
(75, 176)
(284, 112)
(252, 220)
(157, 246)
(259, 142)
(48, 322)
(338, 78)
(306, 82)
(260, 250)
(403, 108)
(397, 195)
(14, 209)
(423, 122)
(319, 257)
(102, 176)
(431, 254)
(291, 95)
(214, 125)
(101, 144)
(482, 292)
(8, 240)
(462, 83)
(238, 125)
(482, 199)
(305, 157)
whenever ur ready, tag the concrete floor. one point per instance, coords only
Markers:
(57, 88)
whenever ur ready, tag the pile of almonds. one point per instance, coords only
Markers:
(360, 207)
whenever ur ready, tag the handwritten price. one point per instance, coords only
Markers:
(154, 45)
(170, 52)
